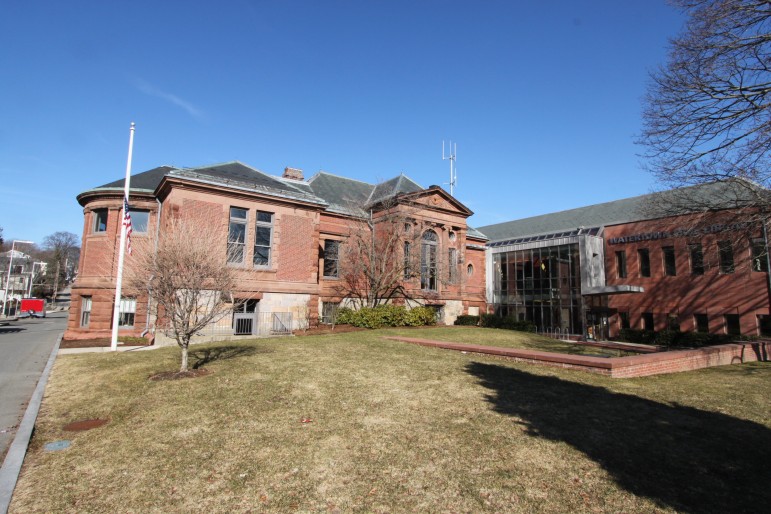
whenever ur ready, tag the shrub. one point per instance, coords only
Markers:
(420, 316)
(386, 316)
(467, 320)
(675, 339)
(507, 322)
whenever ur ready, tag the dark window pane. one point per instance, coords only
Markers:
(702, 323)
(726, 256)
(670, 267)
(237, 233)
(733, 324)
(261, 255)
(647, 321)
(237, 213)
(262, 236)
(764, 325)
(621, 264)
(264, 217)
(100, 220)
(645, 262)
(331, 251)
(697, 259)
(759, 256)
(624, 318)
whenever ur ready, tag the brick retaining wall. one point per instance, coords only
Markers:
(621, 367)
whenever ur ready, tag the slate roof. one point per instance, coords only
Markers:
(239, 175)
(147, 180)
(338, 194)
(716, 195)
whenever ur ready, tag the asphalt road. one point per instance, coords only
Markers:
(25, 346)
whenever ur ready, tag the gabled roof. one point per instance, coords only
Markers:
(393, 187)
(712, 196)
(344, 195)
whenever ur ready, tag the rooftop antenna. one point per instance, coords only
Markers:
(453, 149)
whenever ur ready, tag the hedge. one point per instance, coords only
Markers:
(506, 322)
(386, 316)
(467, 319)
(675, 339)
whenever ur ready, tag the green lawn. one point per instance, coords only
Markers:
(394, 427)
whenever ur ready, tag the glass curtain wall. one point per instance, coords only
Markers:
(542, 285)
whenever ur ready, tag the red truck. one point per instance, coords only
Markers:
(32, 308)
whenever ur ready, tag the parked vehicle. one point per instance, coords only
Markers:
(32, 308)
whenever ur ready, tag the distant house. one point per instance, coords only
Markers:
(291, 229)
(20, 272)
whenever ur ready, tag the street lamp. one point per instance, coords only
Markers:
(8, 278)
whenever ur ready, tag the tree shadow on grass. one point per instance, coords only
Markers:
(681, 457)
(206, 355)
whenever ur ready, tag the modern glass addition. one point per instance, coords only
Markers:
(542, 285)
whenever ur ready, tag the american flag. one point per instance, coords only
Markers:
(127, 223)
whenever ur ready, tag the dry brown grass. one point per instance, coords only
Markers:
(393, 427)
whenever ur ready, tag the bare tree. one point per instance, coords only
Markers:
(706, 115)
(383, 258)
(61, 251)
(187, 277)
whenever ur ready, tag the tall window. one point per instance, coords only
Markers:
(263, 233)
(670, 267)
(623, 318)
(407, 263)
(733, 324)
(331, 258)
(329, 312)
(726, 252)
(702, 323)
(644, 258)
(764, 325)
(697, 259)
(673, 322)
(452, 259)
(428, 270)
(85, 311)
(759, 256)
(139, 221)
(100, 220)
(236, 235)
(126, 311)
(647, 321)
(621, 263)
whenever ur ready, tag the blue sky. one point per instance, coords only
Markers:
(542, 97)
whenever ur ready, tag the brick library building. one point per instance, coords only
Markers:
(640, 263)
(283, 236)
(581, 273)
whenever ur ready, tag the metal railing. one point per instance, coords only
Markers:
(249, 324)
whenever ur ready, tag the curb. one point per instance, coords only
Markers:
(9, 473)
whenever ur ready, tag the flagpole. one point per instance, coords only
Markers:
(122, 248)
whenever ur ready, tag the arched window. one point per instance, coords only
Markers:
(428, 249)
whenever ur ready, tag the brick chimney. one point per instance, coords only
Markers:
(293, 173)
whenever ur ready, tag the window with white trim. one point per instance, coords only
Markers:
(85, 311)
(263, 238)
(126, 312)
(236, 235)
